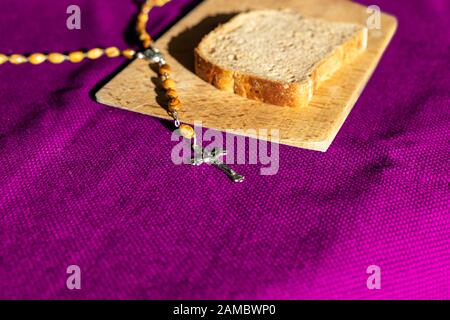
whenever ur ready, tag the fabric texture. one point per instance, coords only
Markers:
(85, 184)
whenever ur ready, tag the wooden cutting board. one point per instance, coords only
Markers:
(313, 127)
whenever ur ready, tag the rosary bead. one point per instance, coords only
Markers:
(173, 109)
(146, 7)
(165, 69)
(144, 37)
(129, 53)
(56, 58)
(174, 102)
(141, 28)
(76, 56)
(94, 54)
(142, 17)
(171, 94)
(3, 58)
(174, 105)
(112, 52)
(187, 131)
(37, 58)
(168, 84)
(17, 59)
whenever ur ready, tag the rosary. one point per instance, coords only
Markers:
(155, 57)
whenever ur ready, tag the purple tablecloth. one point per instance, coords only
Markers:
(85, 184)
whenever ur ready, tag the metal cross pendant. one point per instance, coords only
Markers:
(202, 156)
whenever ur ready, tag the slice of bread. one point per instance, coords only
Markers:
(276, 56)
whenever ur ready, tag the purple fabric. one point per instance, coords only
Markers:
(85, 184)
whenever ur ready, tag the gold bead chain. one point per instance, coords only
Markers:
(95, 53)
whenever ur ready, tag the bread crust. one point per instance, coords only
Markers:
(297, 94)
(251, 86)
